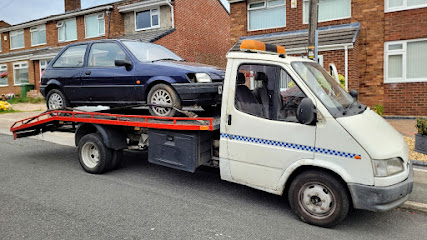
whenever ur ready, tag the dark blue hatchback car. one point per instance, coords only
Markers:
(125, 72)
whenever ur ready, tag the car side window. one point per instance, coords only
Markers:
(104, 54)
(73, 57)
(267, 91)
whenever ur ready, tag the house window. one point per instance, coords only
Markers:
(397, 5)
(94, 25)
(404, 61)
(20, 73)
(3, 80)
(329, 10)
(0, 42)
(266, 14)
(147, 19)
(38, 35)
(67, 30)
(17, 39)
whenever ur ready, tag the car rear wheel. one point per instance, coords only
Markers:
(56, 100)
(163, 95)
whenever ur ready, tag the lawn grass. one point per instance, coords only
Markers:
(26, 100)
(9, 111)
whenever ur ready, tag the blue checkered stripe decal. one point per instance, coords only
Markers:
(289, 145)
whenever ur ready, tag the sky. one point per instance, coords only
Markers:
(34, 9)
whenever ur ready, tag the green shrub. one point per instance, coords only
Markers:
(379, 109)
(342, 80)
(422, 126)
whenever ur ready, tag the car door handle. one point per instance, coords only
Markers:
(88, 72)
(229, 120)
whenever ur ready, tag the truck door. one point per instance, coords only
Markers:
(261, 133)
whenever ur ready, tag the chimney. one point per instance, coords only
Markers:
(72, 5)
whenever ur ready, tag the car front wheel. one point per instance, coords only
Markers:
(56, 100)
(163, 95)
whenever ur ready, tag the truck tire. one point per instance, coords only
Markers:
(94, 156)
(319, 198)
(116, 161)
(55, 99)
(163, 94)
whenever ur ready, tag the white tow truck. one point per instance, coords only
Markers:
(286, 127)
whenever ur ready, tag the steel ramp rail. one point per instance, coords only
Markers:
(143, 121)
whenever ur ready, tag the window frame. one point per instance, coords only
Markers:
(45, 66)
(64, 26)
(266, 6)
(1, 35)
(14, 72)
(328, 20)
(37, 29)
(388, 9)
(402, 52)
(151, 19)
(97, 18)
(90, 50)
(12, 34)
(61, 53)
(7, 78)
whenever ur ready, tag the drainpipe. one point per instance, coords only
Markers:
(346, 67)
(172, 14)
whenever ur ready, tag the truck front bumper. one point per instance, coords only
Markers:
(199, 93)
(380, 199)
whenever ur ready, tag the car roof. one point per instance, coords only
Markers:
(103, 40)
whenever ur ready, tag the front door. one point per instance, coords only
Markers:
(262, 134)
(102, 81)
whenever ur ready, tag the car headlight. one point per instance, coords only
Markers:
(387, 167)
(203, 78)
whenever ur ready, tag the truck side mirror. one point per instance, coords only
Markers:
(353, 93)
(306, 112)
(126, 63)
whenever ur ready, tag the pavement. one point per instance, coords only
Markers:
(417, 200)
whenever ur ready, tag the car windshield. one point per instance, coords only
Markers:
(146, 52)
(328, 90)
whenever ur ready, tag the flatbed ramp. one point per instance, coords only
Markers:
(59, 120)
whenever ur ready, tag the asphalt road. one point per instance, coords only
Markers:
(44, 194)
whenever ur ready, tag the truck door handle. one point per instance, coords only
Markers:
(88, 72)
(229, 119)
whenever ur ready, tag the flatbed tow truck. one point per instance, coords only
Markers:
(285, 127)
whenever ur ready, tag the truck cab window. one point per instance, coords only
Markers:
(267, 91)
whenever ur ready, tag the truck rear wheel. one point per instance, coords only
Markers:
(318, 198)
(94, 156)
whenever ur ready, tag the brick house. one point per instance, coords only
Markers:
(378, 45)
(195, 30)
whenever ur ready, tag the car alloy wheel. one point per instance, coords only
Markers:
(163, 98)
(56, 101)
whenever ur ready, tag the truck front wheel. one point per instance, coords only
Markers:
(319, 198)
(94, 156)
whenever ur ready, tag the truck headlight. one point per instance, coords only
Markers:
(203, 78)
(387, 167)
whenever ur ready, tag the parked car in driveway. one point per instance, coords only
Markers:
(126, 72)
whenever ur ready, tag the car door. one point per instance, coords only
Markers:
(67, 69)
(102, 81)
(262, 134)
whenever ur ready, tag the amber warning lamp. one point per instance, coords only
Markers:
(257, 46)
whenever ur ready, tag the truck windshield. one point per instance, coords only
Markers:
(338, 102)
(146, 52)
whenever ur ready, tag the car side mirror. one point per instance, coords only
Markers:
(306, 112)
(353, 93)
(126, 63)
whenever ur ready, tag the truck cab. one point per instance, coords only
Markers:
(287, 127)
